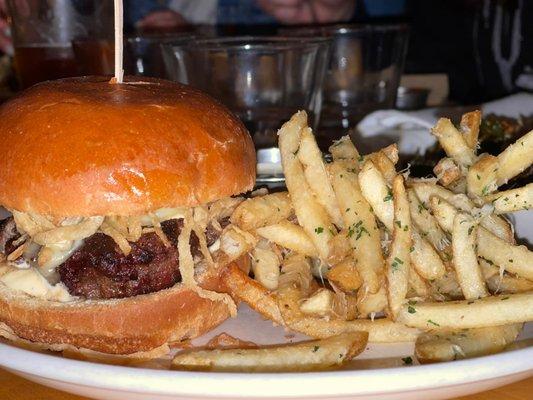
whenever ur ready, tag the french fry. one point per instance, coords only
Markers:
(418, 285)
(243, 288)
(447, 171)
(447, 287)
(515, 158)
(369, 304)
(424, 190)
(503, 283)
(449, 346)
(427, 224)
(383, 164)
(321, 303)
(453, 143)
(464, 314)
(469, 126)
(498, 226)
(339, 247)
(391, 151)
(458, 186)
(336, 206)
(344, 149)
(424, 258)
(515, 259)
(362, 230)
(465, 258)
(379, 330)
(399, 260)
(481, 177)
(234, 243)
(290, 236)
(312, 355)
(512, 200)
(444, 213)
(316, 175)
(265, 266)
(376, 192)
(345, 276)
(345, 305)
(262, 211)
(311, 215)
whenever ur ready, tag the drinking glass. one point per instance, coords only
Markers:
(263, 80)
(95, 57)
(144, 55)
(364, 70)
(43, 31)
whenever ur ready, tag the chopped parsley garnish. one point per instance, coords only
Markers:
(407, 360)
(398, 224)
(319, 230)
(388, 197)
(360, 233)
(396, 264)
(315, 349)
(358, 229)
(433, 323)
(470, 230)
(411, 310)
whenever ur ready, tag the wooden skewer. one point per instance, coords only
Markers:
(119, 25)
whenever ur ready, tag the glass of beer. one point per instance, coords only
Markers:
(43, 32)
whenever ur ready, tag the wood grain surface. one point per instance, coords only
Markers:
(14, 388)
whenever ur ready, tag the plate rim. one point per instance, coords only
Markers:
(213, 384)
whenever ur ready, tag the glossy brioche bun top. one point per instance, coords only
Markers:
(85, 146)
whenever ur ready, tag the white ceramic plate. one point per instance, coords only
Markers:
(378, 373)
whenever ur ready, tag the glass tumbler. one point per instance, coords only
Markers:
(144, 56)
(263, 80)
(364, 70)
(43, 31)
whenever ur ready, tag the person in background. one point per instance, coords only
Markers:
(245, 12)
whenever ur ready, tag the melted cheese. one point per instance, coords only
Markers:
(56, 254)
(31, 282)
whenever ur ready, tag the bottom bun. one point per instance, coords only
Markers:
(117, 326)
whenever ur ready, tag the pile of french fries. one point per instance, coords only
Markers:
(356, 246)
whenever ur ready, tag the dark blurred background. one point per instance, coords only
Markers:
(483, 48)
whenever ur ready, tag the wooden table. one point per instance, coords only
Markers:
(14, 388)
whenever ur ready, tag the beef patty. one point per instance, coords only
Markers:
(99, 270)
(8, 235)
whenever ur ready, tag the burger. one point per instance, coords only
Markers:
(119, 197)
